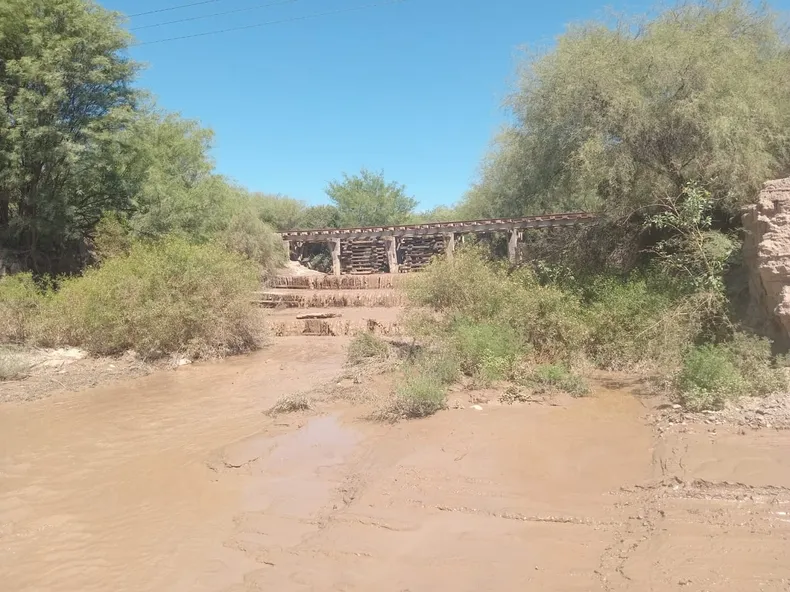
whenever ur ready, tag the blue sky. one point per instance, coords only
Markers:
(414, 89)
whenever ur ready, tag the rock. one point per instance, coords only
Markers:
(183, 362)
(675, 406)
(477, 407)
(766, 252)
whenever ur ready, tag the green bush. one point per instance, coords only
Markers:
(485, 351)
(476, 291)
(468, 284)
(635, 321)
(112, 238)
(367, 346)
(549, 320)
(418, 395)
(444, 365)
(20, 304)
(713, 374)
(161, 298)
(492, 318)
(754, 360)
(708, 378)
(559, 377)
(248, 235)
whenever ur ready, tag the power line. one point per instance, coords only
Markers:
(277, 22)
(205, 16)
(158, 10)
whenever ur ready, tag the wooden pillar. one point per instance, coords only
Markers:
(334, 244)
(392, 253)
(449, 246)
(287, 249)
(512, 246)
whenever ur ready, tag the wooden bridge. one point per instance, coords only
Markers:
(409, 247)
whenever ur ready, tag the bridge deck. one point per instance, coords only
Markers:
(439, 228)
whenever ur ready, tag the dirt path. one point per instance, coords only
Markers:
(178, 482)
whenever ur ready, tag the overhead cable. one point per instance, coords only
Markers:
(215, 14)
(269, 23)
(180, 6)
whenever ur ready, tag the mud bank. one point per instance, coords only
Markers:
(187, 485)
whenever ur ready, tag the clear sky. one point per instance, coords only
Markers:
(414, 88)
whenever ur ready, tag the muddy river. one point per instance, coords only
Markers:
(179, 482)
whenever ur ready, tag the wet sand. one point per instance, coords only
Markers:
(178, 481)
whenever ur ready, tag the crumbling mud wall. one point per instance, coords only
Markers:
(766, 253)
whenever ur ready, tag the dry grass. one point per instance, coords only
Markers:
(331, 328)
(367, 346)
(291, 404)
(384, 299)
(13, 366)
(343, 282)
(20, 305)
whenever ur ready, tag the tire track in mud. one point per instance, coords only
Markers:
(674, 506)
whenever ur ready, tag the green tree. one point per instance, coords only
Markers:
(621, 115)
(280, 212)
(367, 199)
(286, 213)
(179, 192)
(321, 216)
(67, 98)
(437, 214)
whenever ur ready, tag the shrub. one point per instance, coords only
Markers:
(367, 346)
(636, 321)
(752, 356)
(161, 298)
(444, 365)
(559, 377)
(708, 378)
(713, 374)
(112, 238)
(20, 303)
(419, 394)
(542, 318)
(248, 235)
(291, 404)
(469, 284)
(485, 351)
(12, 365)
(549, 321)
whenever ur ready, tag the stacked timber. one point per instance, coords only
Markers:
(417, 251)
(363, 256)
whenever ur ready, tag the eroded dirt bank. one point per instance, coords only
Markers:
(177, 481)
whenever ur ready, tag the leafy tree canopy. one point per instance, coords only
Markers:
(367, 199)
(287, 213)
(67, 100)
(621, 115)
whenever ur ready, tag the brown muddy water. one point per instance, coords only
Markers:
(179, 482)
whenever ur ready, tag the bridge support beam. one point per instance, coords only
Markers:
(287, 249)
(512, 246)
(392, 253)
(334, 245)
(449, 245)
